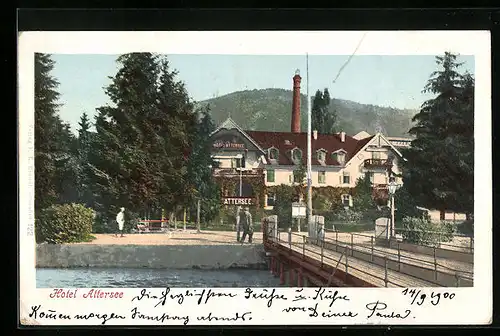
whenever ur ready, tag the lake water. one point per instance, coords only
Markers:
(151, 278)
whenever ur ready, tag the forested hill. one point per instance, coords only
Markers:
(270, 110)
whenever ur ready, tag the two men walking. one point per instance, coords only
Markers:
(245, 223)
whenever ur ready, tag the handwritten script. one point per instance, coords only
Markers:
(230, 306)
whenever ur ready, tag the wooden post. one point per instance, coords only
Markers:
(198, 226)
(282, 274)
(298, 225)
(346, 263)
(385, 271)
(175, 220)
(303, 247)
(184, 219)
(290, 238)
(435, 265)
(372, 247)
(336, 240)
(352, 243)
(322, 250)
(399, 258)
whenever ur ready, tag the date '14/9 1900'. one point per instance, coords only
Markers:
(419, 298)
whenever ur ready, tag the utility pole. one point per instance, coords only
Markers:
(309, 154)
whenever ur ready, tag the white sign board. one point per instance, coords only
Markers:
(298, 210)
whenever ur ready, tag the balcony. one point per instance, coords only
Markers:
(229, 172)
(377, 163)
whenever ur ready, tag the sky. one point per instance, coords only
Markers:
(395, 81)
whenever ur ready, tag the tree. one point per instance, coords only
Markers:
(127, 155)
(323, 120)
(283, 205)
(439, 172)
(83, 148)
(177, 124)
(139, 157)
(363, 195)
(53, 140)
(200, 179)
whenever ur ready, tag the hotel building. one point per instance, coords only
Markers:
(250, 163)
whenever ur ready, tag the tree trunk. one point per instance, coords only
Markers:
(441, 214)
(198, 227)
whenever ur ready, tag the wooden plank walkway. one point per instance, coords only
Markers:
(363, 270)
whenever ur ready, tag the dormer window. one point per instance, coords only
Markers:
(321, 156)
(273, 153)
(296, 155)
(339, 156)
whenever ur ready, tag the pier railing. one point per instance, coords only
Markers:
(430, 271)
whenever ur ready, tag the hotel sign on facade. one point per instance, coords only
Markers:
(238, 201)
(219, 144)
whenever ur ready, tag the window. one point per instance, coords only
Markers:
(346, 179)
(296, 155)
(346, 200)
(339, 157)
(376, 155)
(238, 162)
(270, 175)
(271, 199)
(297, 176)
(321, 156)
(321, 177)
(273, 153)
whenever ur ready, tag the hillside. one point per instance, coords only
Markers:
(270, 110)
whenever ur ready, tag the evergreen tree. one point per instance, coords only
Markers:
(53, 140)
(439, 172)
(199, 169)
(125, 162)
(363, 195)
(177, 126)
(84, 147)
(322, 119)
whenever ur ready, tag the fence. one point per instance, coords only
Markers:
(430, 271)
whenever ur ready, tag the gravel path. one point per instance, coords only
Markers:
(188, 237)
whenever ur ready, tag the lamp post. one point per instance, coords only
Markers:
(238, 209)
(392, 190)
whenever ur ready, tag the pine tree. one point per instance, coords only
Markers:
(363, 195)
(84, 147)
(53, 140)
(199, 169)
(439, 171)
(178, 127)
(124, 161)
(322, 119)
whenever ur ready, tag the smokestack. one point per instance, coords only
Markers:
(342, 136)
(296, 103)
(315, 135)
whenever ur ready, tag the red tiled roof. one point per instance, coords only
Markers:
(286, 141)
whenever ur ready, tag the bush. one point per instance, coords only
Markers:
(421, 231)
(66, 223)
(348, 216)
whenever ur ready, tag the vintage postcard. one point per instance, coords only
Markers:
(255, 178)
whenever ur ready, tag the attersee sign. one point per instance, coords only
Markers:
(238, 201)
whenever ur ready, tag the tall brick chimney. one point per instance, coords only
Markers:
(296, 103)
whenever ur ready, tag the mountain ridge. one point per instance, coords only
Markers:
(270, 110)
